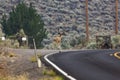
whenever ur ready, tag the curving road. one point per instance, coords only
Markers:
(89, 64)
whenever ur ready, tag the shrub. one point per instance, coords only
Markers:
(71, 40)
(92, 45)
(52, 46)
(115, 40)
(65, 44)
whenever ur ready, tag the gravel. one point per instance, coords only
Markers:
(21, 63)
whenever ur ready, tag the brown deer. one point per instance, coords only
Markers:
(58, 38)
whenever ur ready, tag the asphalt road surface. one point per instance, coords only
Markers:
(89, 64)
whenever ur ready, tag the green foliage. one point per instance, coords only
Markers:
(76, 40)
(65, 44)
(115, 40)
(26, 18)
(73, 42)
(92, 45)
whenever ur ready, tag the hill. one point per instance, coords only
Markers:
(69, 16)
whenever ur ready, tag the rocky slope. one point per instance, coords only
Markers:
(69, 15)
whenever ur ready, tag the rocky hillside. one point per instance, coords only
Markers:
(69, 15)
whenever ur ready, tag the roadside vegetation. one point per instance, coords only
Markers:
(23, 21)
(52, 75)
(33, 58)
(20, 77)
(48, 74)
(10, 62)
(116, 41)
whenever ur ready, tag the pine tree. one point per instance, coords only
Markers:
(26, 18)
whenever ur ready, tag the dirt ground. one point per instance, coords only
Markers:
(21, 63)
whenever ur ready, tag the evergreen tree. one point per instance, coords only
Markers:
(26, 18)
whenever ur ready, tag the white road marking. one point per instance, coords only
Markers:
(57, 68)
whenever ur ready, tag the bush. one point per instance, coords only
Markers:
(92, 45)
(75, 41)
(65, 44)
(52, 46)
(115, 40)
(71, 40)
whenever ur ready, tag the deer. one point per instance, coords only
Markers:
(58, 38)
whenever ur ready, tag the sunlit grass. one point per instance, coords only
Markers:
(33, 58)
(52, 75)
(53, 78)
(49, 72)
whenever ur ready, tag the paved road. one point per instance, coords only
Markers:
(89, 64)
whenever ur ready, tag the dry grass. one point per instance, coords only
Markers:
(33, 58)
(49, 72)
(53, 78)
(52, 75)
(5, 75)
(8, 71)
(20, 77)
(3, 68)
(7, 52)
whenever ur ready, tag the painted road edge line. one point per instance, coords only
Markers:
(116, 55)
(57, 68)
